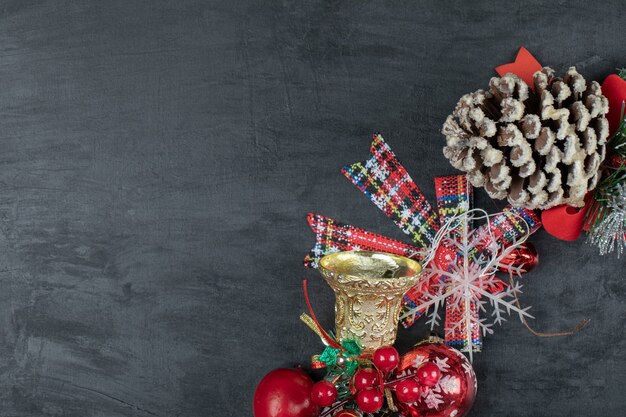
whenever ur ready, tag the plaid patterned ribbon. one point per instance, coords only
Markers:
(333, 236)
(384, 180)
(454, 197)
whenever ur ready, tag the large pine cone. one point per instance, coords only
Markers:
(538, 148)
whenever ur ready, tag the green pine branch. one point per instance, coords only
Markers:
(602, 196)
(617, 144)
(616, 176)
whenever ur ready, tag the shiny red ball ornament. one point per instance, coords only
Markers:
(370, 400)
(408, 391)
(386, 358)
(365, 378)
(452, 395)
(324, 393)
(428, 374)
(525, 257)
(285, 392)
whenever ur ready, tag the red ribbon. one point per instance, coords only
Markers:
(525, 66)
(566, 222)
(614, 89)
(331, 342)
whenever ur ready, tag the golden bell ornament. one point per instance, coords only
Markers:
(368, 287)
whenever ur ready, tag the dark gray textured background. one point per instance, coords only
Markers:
(157, 163)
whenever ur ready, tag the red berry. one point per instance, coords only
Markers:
(408, 391)
(386, 358)
(365, 378)
(347, 413)
(370, 400)
(323, 393)
(428, 374)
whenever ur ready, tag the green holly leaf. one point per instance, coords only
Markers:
(329, 356)
(351, 367)
(352, 346)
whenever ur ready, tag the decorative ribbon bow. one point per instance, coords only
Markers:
(384, 180)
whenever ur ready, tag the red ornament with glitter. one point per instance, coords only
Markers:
(525, 257)
(454, 392)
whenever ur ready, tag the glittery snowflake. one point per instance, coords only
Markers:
(450, 384)
(419, 360)
(442, 364)
(433, 399)
(469, 278)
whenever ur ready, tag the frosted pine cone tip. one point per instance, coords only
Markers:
(538, 147)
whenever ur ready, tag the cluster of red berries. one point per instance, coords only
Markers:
(369, 385)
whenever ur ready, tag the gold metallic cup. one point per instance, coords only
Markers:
(368, 287)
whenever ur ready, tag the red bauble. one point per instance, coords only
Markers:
(454, 393)
(428, 374)
(386, 358)
(525, 256)
(285, 393)
(408, 391)
(324, 393)
(370, 400)
(365, 378)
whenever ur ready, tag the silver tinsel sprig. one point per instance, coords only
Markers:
(608, 234)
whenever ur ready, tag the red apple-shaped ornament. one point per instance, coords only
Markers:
(454, 390)
(285, 392)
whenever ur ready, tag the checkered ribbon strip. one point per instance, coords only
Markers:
(512, 224)
(507, 227)
(454, 197)
(456, 335)
(384, 180)
(333, 236)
